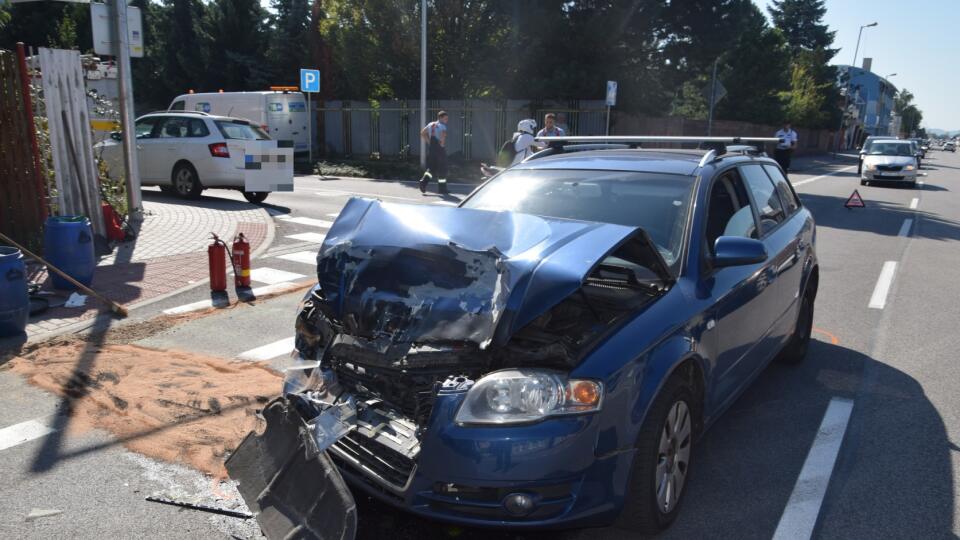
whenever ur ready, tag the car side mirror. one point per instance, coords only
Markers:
(115, 135)
(738, 251)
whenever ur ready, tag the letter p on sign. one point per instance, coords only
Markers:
(310, 80)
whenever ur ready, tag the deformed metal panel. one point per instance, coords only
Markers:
(296, 493)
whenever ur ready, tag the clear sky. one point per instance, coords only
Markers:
(919, 40)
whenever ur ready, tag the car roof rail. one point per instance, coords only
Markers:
(168, 111)
(718, 146)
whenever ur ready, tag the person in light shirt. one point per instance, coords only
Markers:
(788, 143)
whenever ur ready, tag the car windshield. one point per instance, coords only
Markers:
(881, 148)
(233, 129)
(658, 203)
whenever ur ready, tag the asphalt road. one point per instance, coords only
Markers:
(896, 470)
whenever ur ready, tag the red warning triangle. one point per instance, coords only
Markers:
(855, 201)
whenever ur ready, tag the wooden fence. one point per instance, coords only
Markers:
(71, 143)
(23, 195)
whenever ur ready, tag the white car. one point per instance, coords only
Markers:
(890, 160)
(187, 152)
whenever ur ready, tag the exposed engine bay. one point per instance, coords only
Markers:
(400, 316)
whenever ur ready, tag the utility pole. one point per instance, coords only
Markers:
(846, 91)
(713, 96)
(423, 81)
(125, 77)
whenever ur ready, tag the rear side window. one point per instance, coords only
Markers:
(787, 196)
(765, 196)
(176, 126)
(241, 131)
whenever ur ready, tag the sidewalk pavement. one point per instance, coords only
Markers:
(168, 256)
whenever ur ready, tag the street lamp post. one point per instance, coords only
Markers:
(857, 50)
(423, 81)
(846, 96)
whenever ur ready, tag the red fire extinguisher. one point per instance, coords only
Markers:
(217, 259)
(241, 261)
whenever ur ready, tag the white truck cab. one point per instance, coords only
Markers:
(280, 113)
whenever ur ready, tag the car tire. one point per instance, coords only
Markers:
(167, 190)
(796, 348)
(186, 183)
(644, 509)
(255, 197)
(863, 182)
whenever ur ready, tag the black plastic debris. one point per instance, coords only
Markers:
(201, 507)
(295, 493)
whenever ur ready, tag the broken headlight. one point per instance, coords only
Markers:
(515, 396)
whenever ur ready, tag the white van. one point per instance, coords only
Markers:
(282, 114)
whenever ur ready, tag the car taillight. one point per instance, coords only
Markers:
(219, 150)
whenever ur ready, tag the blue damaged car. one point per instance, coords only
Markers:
(542, 356)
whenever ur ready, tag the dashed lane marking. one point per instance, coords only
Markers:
(17, 434)
(803, 507)
(306, 257)
(308, 221)
(316, 238)
(273, 276)
(905, 228)
(914, 203)
(268, 351)
(879, 298)
(333, 215)
(822, 176)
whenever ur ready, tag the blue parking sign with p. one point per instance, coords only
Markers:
(309, 80)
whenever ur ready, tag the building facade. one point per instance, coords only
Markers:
(870, 99)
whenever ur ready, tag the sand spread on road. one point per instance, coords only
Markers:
(169, 405)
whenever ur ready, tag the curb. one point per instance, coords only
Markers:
(80, 326)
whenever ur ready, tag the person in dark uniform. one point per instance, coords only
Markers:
(435, 135)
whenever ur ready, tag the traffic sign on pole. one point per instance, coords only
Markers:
(310, 80)
(310, 84)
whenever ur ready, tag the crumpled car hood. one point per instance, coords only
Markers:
(415, 274)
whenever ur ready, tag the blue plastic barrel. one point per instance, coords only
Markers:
(14, 300)
(68, 245)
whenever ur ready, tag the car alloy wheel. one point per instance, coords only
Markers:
(185, 182)
(673, 458)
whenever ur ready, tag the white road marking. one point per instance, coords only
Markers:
(905, 228)
(334, 215)
(268, 351)
(362, 194)
(16, 434)
(446, 203)
(223, 302)
(220, 301)
(921, 183)
(803, 508)
(273, 276)
(879, 297)
(306, 257)
(308, 221)
(316, 238)
(822, 176)
(914, 203)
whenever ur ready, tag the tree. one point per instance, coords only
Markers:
(812, 78)
(180, 53)
(755, 72)
(287, 52)
(801, 22)
(910, 115)
(236, 46)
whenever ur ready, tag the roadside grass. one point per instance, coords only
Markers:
(392, 169)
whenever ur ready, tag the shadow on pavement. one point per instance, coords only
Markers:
(878, 217)
(212, 201)
(894, 471)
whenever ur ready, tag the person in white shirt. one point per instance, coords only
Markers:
(788, 143)
(435, 135)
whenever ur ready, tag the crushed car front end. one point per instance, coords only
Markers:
(447, 362)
